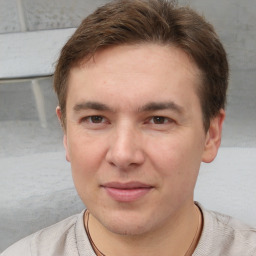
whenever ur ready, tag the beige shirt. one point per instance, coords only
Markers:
(221, 236)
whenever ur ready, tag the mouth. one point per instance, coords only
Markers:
(126, 192)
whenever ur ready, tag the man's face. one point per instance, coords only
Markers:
(135, 136)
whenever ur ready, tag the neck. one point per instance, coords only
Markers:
(176, 237)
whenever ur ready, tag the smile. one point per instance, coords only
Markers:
(126, 192)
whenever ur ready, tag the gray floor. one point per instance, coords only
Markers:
(21, 132)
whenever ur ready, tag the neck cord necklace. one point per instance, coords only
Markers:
(188, 252)
(196, 236)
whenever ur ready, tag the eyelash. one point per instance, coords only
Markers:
(89, 119)
(154, 120)
(165, 120)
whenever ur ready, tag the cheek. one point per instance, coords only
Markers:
(85, 158)
(86, 155)
(83, 147)
(177, 160)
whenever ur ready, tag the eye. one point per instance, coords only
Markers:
(94, 119)
(160, 120)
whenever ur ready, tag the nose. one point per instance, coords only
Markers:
(125, 149)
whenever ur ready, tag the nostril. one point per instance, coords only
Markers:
(125, 150)
(125, 159)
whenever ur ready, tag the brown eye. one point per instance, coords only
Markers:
(159, 120)
(96, 119)
(94, 122)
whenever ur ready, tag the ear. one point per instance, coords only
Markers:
(65, 143)
(58, 113)
(213, 137)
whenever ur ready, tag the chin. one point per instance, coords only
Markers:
(126, 225)
(129, 229)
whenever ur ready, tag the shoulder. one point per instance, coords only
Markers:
(224, 235)
(49, 241)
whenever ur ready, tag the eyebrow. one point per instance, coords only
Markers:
(91, 105)
(154, 106)
(151, 106)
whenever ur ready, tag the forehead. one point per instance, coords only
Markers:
(150, 54)
(147, 70)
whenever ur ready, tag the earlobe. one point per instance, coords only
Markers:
(213, 137)
(58, 112)
(66, 147)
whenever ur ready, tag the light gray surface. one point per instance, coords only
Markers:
(35, 183)
(36, 191)
(20, 131)
(227, 185)
(50, 14)
(33, 53)
(44, 14)
(9, 17)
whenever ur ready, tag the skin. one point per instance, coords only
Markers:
(133, 115)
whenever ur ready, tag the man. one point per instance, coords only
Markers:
(142, 89)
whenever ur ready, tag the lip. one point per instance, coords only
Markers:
(126, 192)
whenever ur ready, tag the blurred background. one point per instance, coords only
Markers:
(36, 187)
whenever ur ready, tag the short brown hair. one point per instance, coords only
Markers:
(150, 21)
